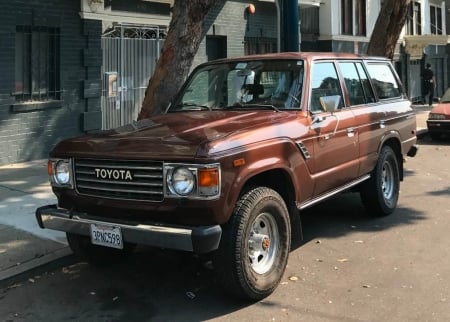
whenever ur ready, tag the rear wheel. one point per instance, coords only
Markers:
(254, 248)
(96, 255)
(380, 193)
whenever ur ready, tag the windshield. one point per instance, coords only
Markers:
(274, 84)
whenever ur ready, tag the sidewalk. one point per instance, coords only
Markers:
(25, 187)
(23, 244)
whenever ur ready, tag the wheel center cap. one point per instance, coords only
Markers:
(265, 243)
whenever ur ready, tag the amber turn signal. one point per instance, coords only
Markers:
(208, 177)
(50, 168)
(238, 162)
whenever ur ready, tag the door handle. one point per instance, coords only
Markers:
(382, 125)
(350, 132)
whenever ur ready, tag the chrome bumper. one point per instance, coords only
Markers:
(201, 239)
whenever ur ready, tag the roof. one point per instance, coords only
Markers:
(300, 55)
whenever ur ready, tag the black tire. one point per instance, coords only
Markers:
(380, 193)
(94, 254)
(255, 244)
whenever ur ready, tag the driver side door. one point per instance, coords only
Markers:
(335, 139)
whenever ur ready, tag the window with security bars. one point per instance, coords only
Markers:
(37, 64)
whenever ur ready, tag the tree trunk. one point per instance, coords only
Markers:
(388, 27)
(182, 42)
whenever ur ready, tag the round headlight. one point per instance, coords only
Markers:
(182, 181)
(62, 172)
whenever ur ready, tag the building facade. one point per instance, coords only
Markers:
(50, 82)
(347, 25)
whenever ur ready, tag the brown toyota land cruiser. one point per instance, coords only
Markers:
(244, 147)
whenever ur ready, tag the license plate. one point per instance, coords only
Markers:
(105, 235)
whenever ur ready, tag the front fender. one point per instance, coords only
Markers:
(264, 157)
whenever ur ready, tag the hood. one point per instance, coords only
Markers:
(174, 135)
(441, 108)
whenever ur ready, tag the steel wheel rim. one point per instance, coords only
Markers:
(387, 181)
(263, 243)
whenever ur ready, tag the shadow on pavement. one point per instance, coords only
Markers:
(164, 285)
(345, 214)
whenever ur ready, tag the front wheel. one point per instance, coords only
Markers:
(254, 248)
(380, 193)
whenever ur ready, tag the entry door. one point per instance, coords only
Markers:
(335, 138)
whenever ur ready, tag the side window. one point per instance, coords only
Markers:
(368, 91)
(358, 86)
(384, 80)
(324, 84)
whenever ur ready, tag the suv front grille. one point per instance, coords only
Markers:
(118, 179)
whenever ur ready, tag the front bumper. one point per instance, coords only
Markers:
(202, 239)
(438, 126)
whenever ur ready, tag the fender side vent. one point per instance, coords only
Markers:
(303, 150)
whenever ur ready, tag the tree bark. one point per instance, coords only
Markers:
(181, 44)
(389, 24)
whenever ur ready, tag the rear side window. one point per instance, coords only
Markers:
(357, 83)
(383, 79)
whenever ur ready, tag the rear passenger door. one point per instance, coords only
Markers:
(368, 115)
(335, 138)
(383, 94)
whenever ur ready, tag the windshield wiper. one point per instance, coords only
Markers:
(243, 105)
(191, 107)
(271, 106)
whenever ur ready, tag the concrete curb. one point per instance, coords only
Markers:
(21, 273)
(8, 273)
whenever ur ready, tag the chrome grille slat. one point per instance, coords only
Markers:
(142, 184)
(119, 190)
(149, 176)
(114, 166)
(146, 182)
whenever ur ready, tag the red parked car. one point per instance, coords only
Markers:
(438, 122)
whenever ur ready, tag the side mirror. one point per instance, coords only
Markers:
(330, 103)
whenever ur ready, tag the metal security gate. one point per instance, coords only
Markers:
(130, 54)
(415, 81)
